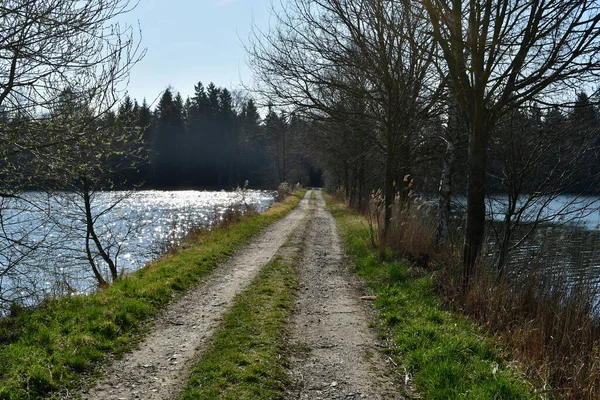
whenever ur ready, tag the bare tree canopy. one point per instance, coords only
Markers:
(63, 66)
(48, 46)
(499, 55)
(367, 62)
(509, 52)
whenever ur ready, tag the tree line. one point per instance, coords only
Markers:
(67, 132)
(211, 140)
(445, 98)
(486, 109)
(390, 98)
(431, 96)
(216, 139)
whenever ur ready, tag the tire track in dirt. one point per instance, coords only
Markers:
(159, 366)
(335, 353)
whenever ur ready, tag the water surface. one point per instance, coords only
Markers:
(42, 244)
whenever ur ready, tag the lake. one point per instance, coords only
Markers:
(42, 243)
(563, 250)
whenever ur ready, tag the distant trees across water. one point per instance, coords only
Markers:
(216, 139)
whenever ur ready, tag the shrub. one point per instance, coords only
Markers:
(283, 190)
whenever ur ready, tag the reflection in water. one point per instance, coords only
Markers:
(564, 247)
(42, 248)
(557, 254)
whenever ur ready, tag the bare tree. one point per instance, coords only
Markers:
(452, 137)
(501, 54)
(106, 149)
(378, 52)
(344, 146)
(46, 48)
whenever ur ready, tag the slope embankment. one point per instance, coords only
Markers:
(53, 349)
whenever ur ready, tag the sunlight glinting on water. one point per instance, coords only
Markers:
(137, 227)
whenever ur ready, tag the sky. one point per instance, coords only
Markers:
(188, 41)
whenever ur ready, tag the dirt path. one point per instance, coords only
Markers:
(158, 368)
(336, 356)
(336, 353)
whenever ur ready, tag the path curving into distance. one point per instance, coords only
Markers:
(335, 355)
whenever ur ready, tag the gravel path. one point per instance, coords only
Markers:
(158, 368)
(336, 353)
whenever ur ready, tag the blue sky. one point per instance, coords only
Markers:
(193, 40)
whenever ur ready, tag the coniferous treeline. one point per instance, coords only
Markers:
(213, 140)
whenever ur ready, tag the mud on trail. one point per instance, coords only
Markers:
(334, 353)
(337, 356)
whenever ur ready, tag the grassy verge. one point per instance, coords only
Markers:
(444, 355)
(246, 358)
(47, 349)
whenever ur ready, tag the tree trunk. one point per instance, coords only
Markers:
(346, 182)
(388, 193)
(353, 185)
(503, 251)
(88, 251)
(475, 224)
(361, 180)
(91, 233)
(404, 178)
(507, 233)
(442, 233)
(278, 158)
(284, 156)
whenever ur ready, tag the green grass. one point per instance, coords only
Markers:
(247, 355)
(447, 356)
(45, 350)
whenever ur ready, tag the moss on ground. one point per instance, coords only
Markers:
(247, 356)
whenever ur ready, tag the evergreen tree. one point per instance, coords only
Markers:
(252, 146)
(169, 132)
(144, 121)
(126, 107)
(227, 139)
(211, 138)
(131, 116)
(204, 142)
(276, 131)
(197, 125)
(584, 135)
(584, 113)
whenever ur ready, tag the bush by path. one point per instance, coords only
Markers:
(441, 354)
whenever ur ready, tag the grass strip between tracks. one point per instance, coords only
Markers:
(440, 354)
(247, 357)
(45, 351)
